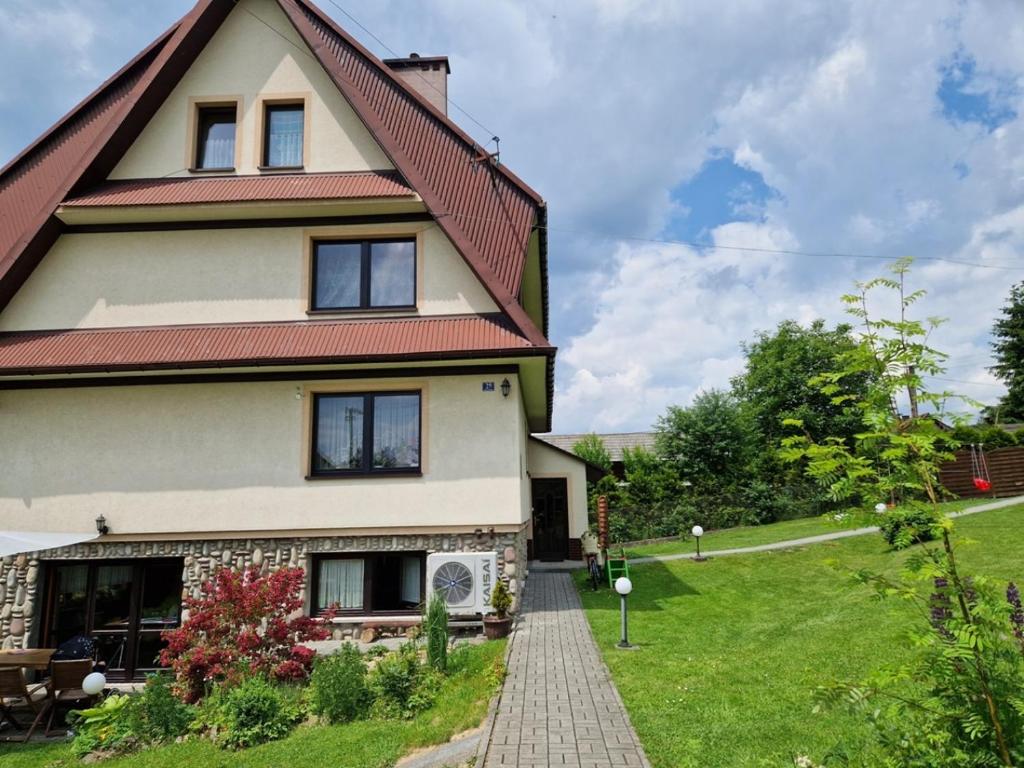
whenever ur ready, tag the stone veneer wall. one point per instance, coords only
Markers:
(20, 576)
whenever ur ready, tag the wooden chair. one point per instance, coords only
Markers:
(63, 689)
(12, 688)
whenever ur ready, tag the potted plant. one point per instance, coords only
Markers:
(500, 623)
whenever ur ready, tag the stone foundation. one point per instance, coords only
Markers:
(21, 576)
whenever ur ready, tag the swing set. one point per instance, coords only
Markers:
(979, 468)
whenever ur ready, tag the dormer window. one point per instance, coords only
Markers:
(363, 274)
(215, 137)
(283, 131)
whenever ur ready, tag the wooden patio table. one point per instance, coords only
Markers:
(26, 658)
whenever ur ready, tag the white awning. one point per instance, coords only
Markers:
(16, 542)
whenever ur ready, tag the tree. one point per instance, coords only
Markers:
(776, 384)
(592, 450)
(962, 701)
(707, 445)
(1008, 345)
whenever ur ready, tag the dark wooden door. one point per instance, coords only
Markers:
(550, 519)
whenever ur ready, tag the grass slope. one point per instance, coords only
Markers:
(731, 649)
(753, 535)
(461, 704)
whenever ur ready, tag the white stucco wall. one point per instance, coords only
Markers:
(255, 54)
(195, 458)
(213, 276)
(546, 461)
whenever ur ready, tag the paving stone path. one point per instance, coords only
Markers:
(558, 706)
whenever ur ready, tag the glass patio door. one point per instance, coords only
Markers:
(122, 605)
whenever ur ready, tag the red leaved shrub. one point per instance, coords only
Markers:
(241, 620)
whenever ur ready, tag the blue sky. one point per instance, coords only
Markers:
(669, 136)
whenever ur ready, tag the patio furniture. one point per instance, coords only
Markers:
(12, 689)
(26, 658)
(64, 690)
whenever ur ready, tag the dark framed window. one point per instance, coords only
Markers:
(366, 433)
(215, 138)
(368, 582)
(283, 129)
(364, 274)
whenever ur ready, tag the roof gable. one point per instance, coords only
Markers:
(485, 211)
(256, 54)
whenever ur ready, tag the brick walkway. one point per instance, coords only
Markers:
(558, 706)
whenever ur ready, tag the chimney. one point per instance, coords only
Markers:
(427, 75)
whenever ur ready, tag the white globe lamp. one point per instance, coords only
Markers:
(624, 586)
(880, 508)
(697, 532)
(94, 683)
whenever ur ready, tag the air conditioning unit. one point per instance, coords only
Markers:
(463, 579)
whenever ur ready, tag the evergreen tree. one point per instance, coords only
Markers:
(1008, 345)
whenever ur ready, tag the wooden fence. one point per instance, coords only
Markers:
(1005, 467)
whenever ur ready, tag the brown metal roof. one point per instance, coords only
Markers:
(486, 210)
(236, 189)
(249, 344)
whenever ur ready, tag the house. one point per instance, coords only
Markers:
(262, 303)
(616, 443)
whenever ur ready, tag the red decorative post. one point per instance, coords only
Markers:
(602, 523)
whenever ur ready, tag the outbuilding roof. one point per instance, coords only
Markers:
(614, 442)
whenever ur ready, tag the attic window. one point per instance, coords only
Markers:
(215, 138)
(283, 129)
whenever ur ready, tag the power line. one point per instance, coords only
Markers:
(753, 249)
(965, 381)
(390, 50)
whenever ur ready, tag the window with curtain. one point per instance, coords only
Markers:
(364, 274)
(366, 433)
(283, 128)
(340, 584)
(215, 138)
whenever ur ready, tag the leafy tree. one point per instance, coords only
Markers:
(707, 445)
(961, 701)
(776, 383)
(1009, 351)
(591, 448)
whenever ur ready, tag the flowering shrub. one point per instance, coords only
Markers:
(242, 619)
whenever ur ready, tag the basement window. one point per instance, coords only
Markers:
(368, 582)
(366, 433)
(363, 274)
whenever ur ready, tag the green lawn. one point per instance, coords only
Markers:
(461, 705)
(753, 535)
(732, 648)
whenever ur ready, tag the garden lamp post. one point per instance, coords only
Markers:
(697, 533)
(624, 586)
